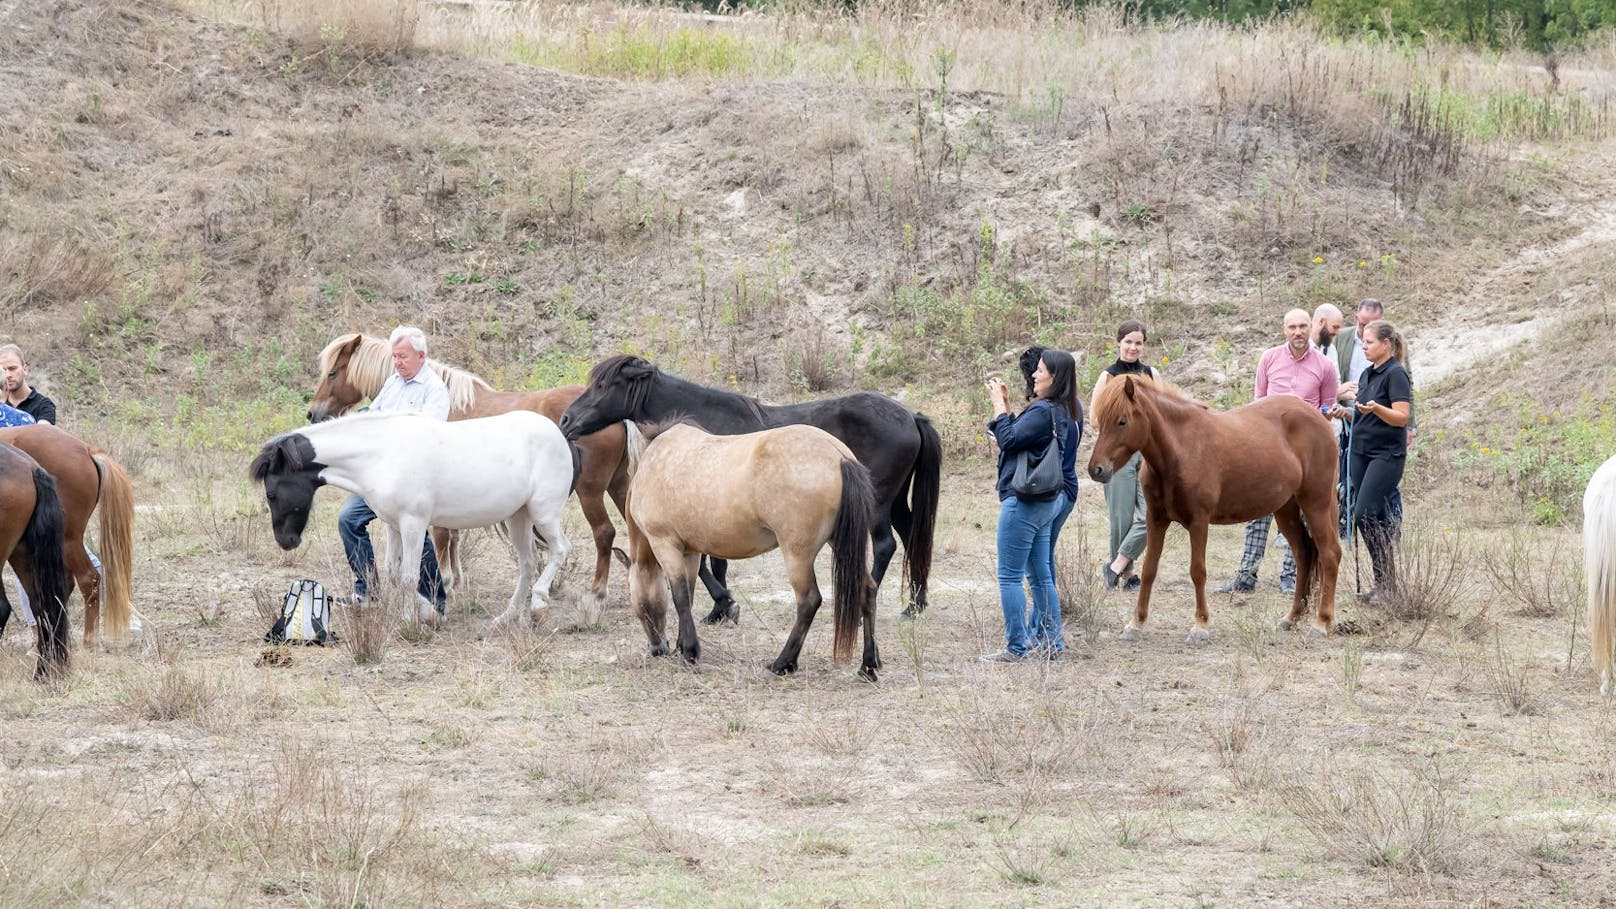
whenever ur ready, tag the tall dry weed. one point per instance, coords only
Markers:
(1543, 579)
(1427, 584)
(1408, 821)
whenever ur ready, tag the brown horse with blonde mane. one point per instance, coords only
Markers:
(354, 367)
(88, 480)
(31, 523)
(795, 488)
(1274, 456)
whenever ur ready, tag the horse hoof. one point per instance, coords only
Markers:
(1315, 631)
(1198, 637)
(780, 670)
(660, 649)
(867, 674)
(1131, 634)
(912, 611)
(1285, 625)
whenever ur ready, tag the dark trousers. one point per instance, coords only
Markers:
(1374, 481)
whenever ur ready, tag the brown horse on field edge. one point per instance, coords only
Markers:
(354, 367)
(31, 527)
(735, 497)
(1275, 456)
(87, 480)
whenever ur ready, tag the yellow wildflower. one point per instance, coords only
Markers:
(1318, 260)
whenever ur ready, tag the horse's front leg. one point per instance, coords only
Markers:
(1200, 634)
(446, 543)
(407, 563)
(1155, 536)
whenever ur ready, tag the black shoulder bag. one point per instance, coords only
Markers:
(1038, 473)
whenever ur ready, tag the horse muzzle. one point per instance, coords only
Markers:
(1101, 473)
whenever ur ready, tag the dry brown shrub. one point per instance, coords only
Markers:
(1543, 584)
(1079, 586)
(360, 27)
(42, 270)
(1406, 821)
(175, 693)
(1428, 581)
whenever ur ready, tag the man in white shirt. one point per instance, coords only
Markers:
(414, 387)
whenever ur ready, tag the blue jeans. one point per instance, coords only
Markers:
(1025, 533)
(353, 522)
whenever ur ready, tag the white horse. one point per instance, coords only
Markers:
(515, 468)
(1599, 564)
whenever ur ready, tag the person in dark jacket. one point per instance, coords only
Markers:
(1025, 524)
(15, 390)
(1030, 358)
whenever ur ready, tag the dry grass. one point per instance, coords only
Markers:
(1543, 581)
(1429, 581)
(1406, 821)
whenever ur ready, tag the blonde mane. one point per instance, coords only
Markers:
(372, 363)
(1110, 403)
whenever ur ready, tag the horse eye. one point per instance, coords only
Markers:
(1122, 422)
(331, 375)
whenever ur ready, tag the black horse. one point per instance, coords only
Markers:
(900, 447)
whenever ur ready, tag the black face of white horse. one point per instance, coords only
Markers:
(616, 392)
(290, 474)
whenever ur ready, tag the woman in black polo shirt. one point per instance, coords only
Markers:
(1380, 444)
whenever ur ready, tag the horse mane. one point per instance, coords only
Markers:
(650, 430)
(1109, 404)
(372, 363)
(613, 370)
(277, 456)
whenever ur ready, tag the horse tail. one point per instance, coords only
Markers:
(117, 522)
(1599, 565)
(577, 465)
(927, 479)
(633, 447)
(850, 552)
(47, 567)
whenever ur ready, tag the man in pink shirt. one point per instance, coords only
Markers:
(1293, 368)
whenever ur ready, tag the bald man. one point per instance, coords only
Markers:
(1294, 368)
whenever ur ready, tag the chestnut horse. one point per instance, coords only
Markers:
(86, 478)
(31, 527)
(1599, 565)
(353, 367)
(735, 497)
(1275, 456)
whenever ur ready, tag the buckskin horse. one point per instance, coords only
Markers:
(900, 447)
(31, 529)
(1599, 565)
(87, 480)
(353, 367)
(515, 468)
(735, 497)
(1274, 456)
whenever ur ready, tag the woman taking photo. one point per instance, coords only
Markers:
(1026, 524)
(1379, 446)
(1030, 358)
(1124, 500)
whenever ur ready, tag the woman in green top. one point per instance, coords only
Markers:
(1124, 500)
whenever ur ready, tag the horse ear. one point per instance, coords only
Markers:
(353, 345)
(638, 368)
(1127, 387)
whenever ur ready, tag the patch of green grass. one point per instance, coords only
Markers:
(638, 52)
(1546, 458)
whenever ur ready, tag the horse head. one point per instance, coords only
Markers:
(617, 390)
(337, 392)
(1123, 426)
(287, 467)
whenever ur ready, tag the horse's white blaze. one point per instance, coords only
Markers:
(515, 468)
(1599, 564)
